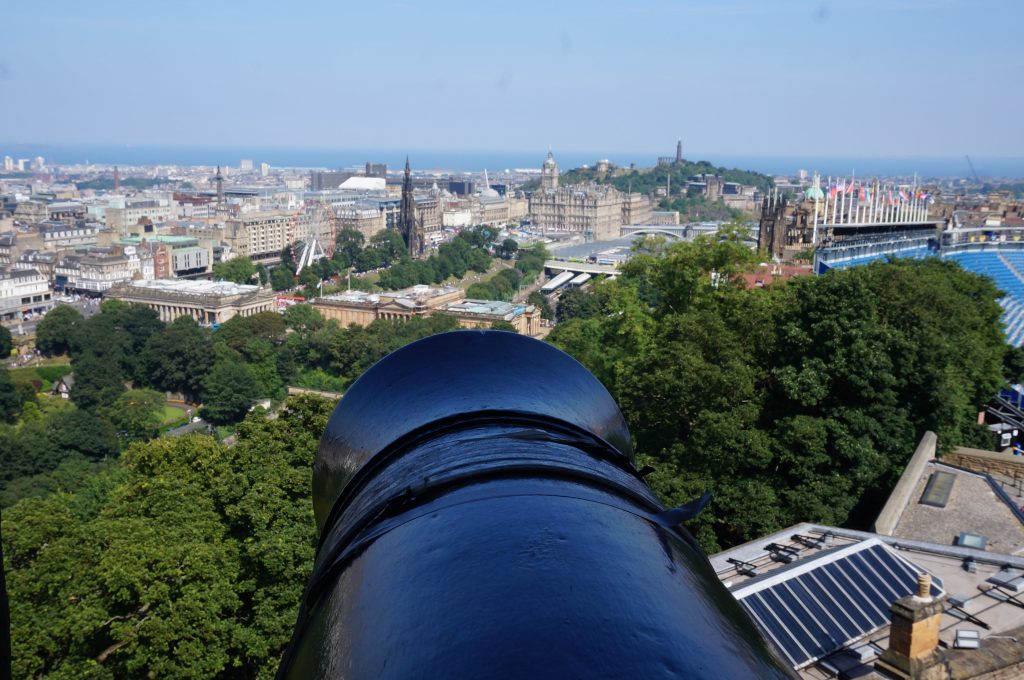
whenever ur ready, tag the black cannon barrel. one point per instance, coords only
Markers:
(481, 517)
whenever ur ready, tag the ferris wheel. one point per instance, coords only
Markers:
(315, 227)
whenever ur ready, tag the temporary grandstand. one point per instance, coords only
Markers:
(995, 252)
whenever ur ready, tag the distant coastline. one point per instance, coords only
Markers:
(498, 161)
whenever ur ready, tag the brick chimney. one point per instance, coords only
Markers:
(913, 634)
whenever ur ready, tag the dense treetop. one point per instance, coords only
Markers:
(796, 402)
(188, 559)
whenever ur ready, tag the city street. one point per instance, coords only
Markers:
(86, 306)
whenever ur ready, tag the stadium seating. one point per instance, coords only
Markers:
(1007, 270)
(1005, 266)
(912, 253)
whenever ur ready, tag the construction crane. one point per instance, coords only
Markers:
(976, 179)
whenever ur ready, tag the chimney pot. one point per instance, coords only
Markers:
(924, 585)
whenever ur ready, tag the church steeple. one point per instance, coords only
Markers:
(407, 224)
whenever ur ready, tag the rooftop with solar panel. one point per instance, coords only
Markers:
(935, 590)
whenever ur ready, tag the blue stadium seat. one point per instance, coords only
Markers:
(1007, 270)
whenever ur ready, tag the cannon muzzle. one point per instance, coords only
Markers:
(481, 517)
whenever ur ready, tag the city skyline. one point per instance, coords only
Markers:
(796, 78)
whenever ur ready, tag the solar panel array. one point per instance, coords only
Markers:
(818, 606)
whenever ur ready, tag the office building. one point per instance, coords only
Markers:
(260, 236)
(23, 291)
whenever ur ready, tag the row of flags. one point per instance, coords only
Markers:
(889, 195)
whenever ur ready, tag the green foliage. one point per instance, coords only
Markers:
(388, 247)
(501, 286)
(282, 278)
(187, 560)
(452, 259)
(506, 249)
(697, 208)
(796, 402)
(107, 183)
(646, 180)
(117, 336)
(540, 301)
(303, 319)
(319, 379)
(55, 334)
(347, 245)
(136, 414)
(503, 326)
(98, 382)
(576, 303)
(228, 391)
(177, 358)
(1013, 365)
(53, 373)
(239, 330)
(531, 260)
(6, 342)
(41, 442)
(480, 236)
(237, 269)
(10, 400)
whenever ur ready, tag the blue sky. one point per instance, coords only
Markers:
(860, 77)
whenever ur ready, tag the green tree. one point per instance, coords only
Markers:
(237, 269)
(369, 258)
(795, 402)
(576, 303)
(55, 334)
(89, 434)
(389, 245)
(347, 244)
(506, 249)
(282, 278)
(177, 358)
(137, 414)
(228, 392)
(6, 342)
(503, 326)
(539, 300)
(10, 400)
(98, 382)
(303, 318)
(186, 545)
(239, 330)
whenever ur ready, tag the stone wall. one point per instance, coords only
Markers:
(991, 462)
(900, 496)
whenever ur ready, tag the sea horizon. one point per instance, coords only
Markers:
(499, 161)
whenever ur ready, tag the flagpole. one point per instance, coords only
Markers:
(835, 205)
(874, 202)
(824, 219)
(853, 206)
(842, 209)
(817, 186)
